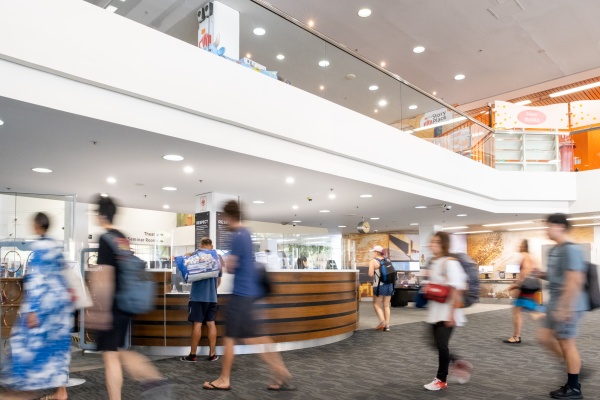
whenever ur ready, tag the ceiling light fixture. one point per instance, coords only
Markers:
(383, 64)
(297, 221)
(324, 211)
(452, 121)
(166, 207)
(311, 23)
(173, 157)
(374, 218)
(364, 13)
(290, 179)
(375, 111)
(323, 63)
(321, 87)
(248, 55)
(582, 218)
(434, 93)
(41, 170)
(1, 122)
(294, 207)
(103, 194)
(573, 90)
(382, 103)
(459, 77)
(461, 215)
(412, 107)
(258, 202)
(419, 49)
(455, 227)
(528, 229)
(111, 9)
(331, 196)
(594, 224)
(366, 195)
(110, 179)
(259, 31)
(521, 103)
(341, 226)
(414, 224)
(188, 170)
(373, 87)
(510, 223)
(169, 188)
(421, 207)
(280, 56)
(469, 233)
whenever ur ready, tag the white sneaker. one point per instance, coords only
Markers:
(436, 384)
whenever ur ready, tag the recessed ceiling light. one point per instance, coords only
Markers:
(259, 31)
(294, 207)
(351, 77)
(321, 87)
(594, 224)
(258, 202)
(296, 221)
(537, 227)
(421, 207)
(510, 223)
(582, 218)
(365, 12)
(173, 157)
(112, 8)
(323, 63)
(290, 179)
(332, 195)
(468, 233)
(366, 195)
(419, 49)
(42, 170)
(166, 207)
(280, 56)
(188, 170)
(341, 226)
(414, 224)
(248, 55)
(382, 103)
(455, 227)
(461, 215)
(169, 188)
(412, 107)
(459, 77)
(434, 93)
(382, 64)
(1, 122)
(375, 111)
(103, 194)
(522, 103)
(311, 23)
(374, 218)
(110, 179)
(324, 211)
(373, 87)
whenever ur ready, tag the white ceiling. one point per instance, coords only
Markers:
(452, 32)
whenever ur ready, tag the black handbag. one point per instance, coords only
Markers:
(530, 285)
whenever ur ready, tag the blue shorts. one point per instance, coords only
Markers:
(528, 305)
(203, 312)
(564, 329)
(386, 289)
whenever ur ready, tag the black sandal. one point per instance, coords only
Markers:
(512, 340)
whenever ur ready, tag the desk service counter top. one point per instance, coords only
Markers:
(307, 308)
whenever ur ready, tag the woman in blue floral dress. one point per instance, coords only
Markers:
(40, 341)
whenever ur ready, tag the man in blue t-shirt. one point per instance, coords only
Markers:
(240, 324)
(203, 308)
(566, 277)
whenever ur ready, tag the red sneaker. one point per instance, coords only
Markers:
(436, 384)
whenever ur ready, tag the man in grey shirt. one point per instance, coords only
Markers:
(566, 276)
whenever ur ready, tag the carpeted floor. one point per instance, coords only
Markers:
(389, 365)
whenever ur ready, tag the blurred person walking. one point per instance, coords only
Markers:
(566, 275)
(40, 341)
(382, 292)
(241, 324)
(202, 308)
(445, 314)
(110, 338)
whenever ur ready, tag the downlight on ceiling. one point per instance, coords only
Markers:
(110, 179)
(373, 87)
(169, 188)
(366, 196)
(259, 31)
(166, 207)
(459, 77)
(374, 218)
(341, 226)
(290, 180)
(324, 211)
(280, 56)
(421, 207)
(461, 215)
(419, 49)
(258, 202)
(414, 224)
(297, 221)
(323, 63)
(364, 13)
(382, 103)
(41, 170)
(173, 157)
(412, 107)
(103, 194)
(188, 170)
(1, 122)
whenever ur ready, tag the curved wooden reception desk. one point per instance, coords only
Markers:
(306, 309)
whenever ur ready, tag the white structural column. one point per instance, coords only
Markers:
(212, 203)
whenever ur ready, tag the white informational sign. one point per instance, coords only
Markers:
(437, 116)
(153, 238)
(511, 116)
(584, 113)
(219, 26)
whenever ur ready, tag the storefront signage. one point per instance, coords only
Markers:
(512, 116)
(223, 233)
(437, 116)
(158, 238)
(202, 227)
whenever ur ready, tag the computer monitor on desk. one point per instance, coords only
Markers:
(513, 269)
(486, 270)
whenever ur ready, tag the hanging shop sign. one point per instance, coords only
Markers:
(223, 233)
(512, 116)
(435, 117)
(584, 113)
(202, 227)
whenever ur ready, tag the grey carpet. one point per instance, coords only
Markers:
(389, 365)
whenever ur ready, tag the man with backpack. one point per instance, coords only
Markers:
(110, 338)
(383, 286)
(566, 275)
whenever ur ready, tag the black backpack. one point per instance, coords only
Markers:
(387, 273)
(471, 295)
(264, 281)
(592, 285)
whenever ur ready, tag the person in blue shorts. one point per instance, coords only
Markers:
(382, 292)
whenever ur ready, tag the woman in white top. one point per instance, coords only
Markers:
(447, 271)
(382, 292)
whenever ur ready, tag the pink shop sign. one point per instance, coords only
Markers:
(532, 117)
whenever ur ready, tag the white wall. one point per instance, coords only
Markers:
(308, 131)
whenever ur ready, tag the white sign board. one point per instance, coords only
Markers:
(511, 116)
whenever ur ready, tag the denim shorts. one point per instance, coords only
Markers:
(386, 289)
(564, 329)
